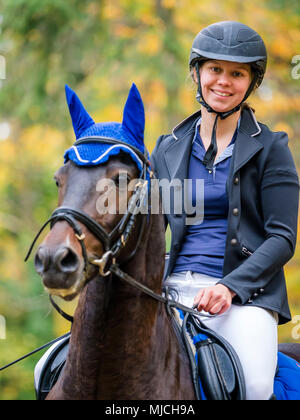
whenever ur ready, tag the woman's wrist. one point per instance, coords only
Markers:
(233, 294)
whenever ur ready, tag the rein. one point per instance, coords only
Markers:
(35, 351)
(114, 268)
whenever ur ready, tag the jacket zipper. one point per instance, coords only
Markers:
(246, 251)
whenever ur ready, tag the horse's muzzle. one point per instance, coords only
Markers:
(60, 269)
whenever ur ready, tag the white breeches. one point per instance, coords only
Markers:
(252, 332)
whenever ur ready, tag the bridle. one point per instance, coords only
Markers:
(112, 242)
(116, 240)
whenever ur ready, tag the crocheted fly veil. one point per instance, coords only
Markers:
(130, 131)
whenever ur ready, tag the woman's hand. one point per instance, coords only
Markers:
(215, 299)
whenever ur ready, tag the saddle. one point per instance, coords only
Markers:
(49, 368)
(216, 370)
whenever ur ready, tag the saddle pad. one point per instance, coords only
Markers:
(287, 379)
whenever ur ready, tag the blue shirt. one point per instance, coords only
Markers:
(203, 247)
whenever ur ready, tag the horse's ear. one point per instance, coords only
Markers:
(80, 118)
(134, 116)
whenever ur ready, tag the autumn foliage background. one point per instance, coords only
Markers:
(99, 48)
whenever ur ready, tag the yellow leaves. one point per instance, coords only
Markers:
(7, 151)
(4, 176)
(122, 11)
(282, 48)
(124, 31)
(37, 146)
(10, 260)
(170, 4)
(152, 21)
(112, 10)
(154, 126)
(108, 113)
(294, 34)
(61, 325)
(283, 126)
(187, 96)
(41, 144)
(155, 94)
(7, 156)
(155, 98)
(149, 44)
(281, 104)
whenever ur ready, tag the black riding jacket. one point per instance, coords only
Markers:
(263, 193)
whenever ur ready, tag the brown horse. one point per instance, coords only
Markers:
(122, 345)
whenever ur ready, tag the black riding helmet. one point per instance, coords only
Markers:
(229, 41)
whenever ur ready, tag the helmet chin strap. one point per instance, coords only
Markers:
(212, 150)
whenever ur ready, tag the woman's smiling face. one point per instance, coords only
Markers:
(224, 83)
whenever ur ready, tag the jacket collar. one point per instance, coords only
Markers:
(247, 144)
(178, 153)
(184, 126)
(248, 123)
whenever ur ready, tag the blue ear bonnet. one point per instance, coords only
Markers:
(130, 131)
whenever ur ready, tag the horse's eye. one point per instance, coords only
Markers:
(56, 182)
(121, 180)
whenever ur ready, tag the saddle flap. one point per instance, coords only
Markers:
(226, 368)
(49, 367)
(60, 358)
(219, 369)
(215, 370)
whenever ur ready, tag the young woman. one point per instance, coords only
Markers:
(231, 264)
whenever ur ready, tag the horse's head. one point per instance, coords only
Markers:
(98, 180)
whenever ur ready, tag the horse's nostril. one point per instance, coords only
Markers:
(41, 260)
(66, 260)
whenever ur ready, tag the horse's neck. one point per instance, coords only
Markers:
(109, 349)
(119, 331)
